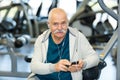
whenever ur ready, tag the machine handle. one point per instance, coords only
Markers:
(108, 10)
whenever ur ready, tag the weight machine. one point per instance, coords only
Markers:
(21, 13)
(12, 40)
(115, 37)
(11, 43)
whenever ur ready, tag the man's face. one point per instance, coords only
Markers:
(58, 25)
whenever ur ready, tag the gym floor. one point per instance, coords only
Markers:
(23, 66)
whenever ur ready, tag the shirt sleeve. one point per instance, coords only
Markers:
(89, 55)
(37, 64)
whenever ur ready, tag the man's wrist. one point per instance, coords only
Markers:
(84, 64)
(52, 67)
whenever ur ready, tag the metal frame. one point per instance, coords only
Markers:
(118, 50)
(116, 35)
(13, 58)
(109, 45)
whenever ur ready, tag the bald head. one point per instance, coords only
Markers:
(56, 12)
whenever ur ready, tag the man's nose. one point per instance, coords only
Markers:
(60, 26)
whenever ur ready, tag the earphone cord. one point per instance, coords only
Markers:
(60, 56)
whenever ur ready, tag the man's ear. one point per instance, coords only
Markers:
(48, 25)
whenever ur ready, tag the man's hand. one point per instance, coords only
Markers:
(62, 65)
(76, 67)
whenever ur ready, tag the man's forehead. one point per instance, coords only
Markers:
(59, 21)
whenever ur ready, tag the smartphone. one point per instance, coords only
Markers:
(74, 63)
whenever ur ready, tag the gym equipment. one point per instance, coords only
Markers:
(42, 20)
(101, 33)
(94, 73)
(108, 26)
(21, 41)
(11, 36)
(8, 25)
(88, 20)
(100, 27)
(21, 14)
(115, 37)
(117, 17)
(81, 8)
(8, 41)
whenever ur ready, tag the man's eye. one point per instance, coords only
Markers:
(55, 24)
(64, 23)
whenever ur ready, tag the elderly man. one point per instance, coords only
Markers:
(61, 52)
